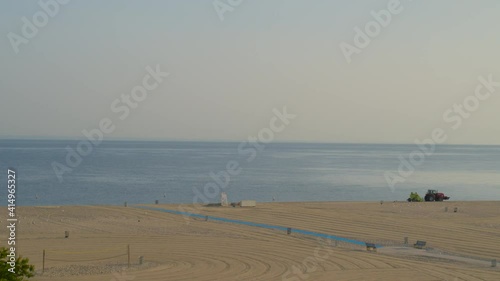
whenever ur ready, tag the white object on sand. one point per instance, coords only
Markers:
(248, 203)
(223, 199)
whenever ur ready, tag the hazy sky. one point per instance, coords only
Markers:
(227, 76)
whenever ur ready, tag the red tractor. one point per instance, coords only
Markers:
(434, 195)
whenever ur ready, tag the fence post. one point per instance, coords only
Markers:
(406, 240)
(128, 254)
(43, 262)
(289, 230)
(66, 234)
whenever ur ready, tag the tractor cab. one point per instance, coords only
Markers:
(432, 191)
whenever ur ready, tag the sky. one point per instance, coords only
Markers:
(229, 68)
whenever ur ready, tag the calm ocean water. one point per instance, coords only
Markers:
(142, 172)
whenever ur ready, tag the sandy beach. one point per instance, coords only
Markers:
(460, 245)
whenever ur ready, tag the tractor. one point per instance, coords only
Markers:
(434, 195)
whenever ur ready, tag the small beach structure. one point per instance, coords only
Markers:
(247, 203)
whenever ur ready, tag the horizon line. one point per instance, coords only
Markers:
(39, 138)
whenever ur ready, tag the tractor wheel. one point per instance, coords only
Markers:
(431, 198)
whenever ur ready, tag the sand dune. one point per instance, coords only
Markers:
(460, 245)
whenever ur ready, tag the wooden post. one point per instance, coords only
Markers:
(156, 202)
(43, 262)
(455, 210)
(406, 240)
(66, 234)
(289, 231)
(128, 254)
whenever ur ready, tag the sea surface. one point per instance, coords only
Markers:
(115, 172)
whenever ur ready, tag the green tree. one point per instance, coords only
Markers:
(22, 269)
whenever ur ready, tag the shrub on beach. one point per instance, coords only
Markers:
(414, 197)
(21, 268)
